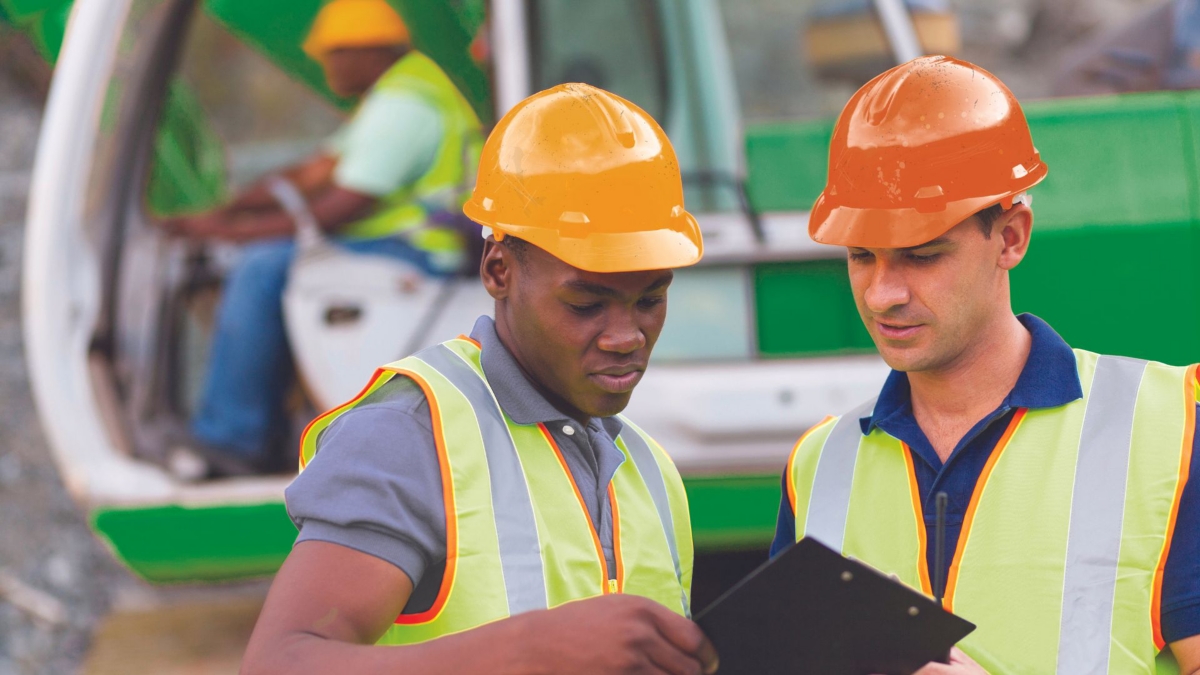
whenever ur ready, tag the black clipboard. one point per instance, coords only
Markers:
(810, 610)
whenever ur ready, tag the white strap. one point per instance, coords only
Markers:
(291, 200)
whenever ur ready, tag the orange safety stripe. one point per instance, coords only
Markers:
(578, 495)
(1185, 465)
(791, 488)
(471, 340)
(919, 513)
(448, 500)
(965, 532)
(616, 518)
(357, 397)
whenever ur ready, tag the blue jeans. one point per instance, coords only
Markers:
(250, 366)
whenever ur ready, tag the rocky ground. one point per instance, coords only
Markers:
(65, 605)
(55, 578)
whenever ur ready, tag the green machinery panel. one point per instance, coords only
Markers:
(805, 308)
(44, 21)
(1114, 260)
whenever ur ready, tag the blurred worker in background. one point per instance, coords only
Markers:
(1072, 534)
(373, 187)
(1159, 50)
(476, 489)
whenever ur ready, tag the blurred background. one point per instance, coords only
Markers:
(123, 551)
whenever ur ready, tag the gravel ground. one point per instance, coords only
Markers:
(49, 561)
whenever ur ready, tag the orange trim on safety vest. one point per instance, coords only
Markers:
(616, 518)
(1185, 464)
(332, 411)
(952, 575)
(448, 500)
(919, 513)
(471, 340)
(578, 495)
(791, 487)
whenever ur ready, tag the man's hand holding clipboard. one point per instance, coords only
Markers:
(810, 610)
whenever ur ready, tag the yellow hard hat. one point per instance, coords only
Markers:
(343, 24)
(588, 177)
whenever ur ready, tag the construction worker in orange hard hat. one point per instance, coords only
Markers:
(1070, 530)
(375, 188)
(483, 506)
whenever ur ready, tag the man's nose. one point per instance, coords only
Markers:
(622, 335)
(888, 287)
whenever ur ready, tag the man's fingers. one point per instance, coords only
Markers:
(937, 669)
(669, 659)
(686, 636)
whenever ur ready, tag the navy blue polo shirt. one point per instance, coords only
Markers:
(1049, 379)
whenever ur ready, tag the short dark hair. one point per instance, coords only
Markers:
(988, 217)
(519, 247)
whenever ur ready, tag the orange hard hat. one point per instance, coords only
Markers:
(344, 24)
(588, 177)
(919, 149)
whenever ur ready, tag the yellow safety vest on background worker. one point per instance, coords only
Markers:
(444, 185)
(518, 536)
(1062, 548)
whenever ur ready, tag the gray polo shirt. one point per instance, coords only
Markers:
(375, 484)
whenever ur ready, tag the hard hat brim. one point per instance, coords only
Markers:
(896, 227)
(677, 244)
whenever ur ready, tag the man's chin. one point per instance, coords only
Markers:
(606, 405)
(904, 360)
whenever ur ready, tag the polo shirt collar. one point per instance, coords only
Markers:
(514, 392)
(1049, 379)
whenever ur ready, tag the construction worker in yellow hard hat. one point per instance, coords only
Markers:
(482, 503)
(1071, 534)
(372, 188)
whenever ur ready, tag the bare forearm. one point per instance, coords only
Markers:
(310, 177)
(493, 648)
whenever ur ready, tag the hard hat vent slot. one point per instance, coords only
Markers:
(574, 217)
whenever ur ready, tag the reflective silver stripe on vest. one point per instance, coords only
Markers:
(643, 459)
(830, 501)
(1097, 513)
(516, 529)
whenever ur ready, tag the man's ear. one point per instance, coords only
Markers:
(496, 268)
(1014, 227)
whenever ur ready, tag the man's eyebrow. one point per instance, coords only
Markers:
(609, 292)
(660, 282)
(933, 242)
(593, 289)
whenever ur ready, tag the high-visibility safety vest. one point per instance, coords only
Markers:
(1060, 557)
(518, 536)
(444, 185)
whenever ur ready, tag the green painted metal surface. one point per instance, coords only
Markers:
(1113, 161)
(806, 308)
(276, 29)
(174, 544)
(21, 10)
(730, 512)
(786, 164)
(44, 21)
